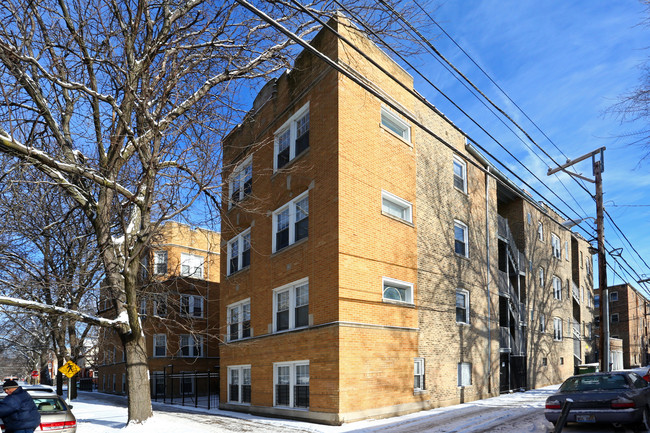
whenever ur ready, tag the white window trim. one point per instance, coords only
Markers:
(614, 315)
(241, 369)
(420, 362)
(557, 292)
(407, 205)
(613, 296)
(292, 382)
(467, 304)
(291, 287)
(400, 284)
(188, 259)
(540, 231)
(235, 176)
(406, 135)
(292, 220)
(157, 255)
(155, 337)
(191, 338)
(540, 274)
(557, 330)
(461, 224)
(542, 323)
(190, 312)
(462, 381)
(240, 324)
(240, 245)
(556, 244)
(290, 123)
(463, 164)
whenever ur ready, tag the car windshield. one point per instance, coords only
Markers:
(48, 404)
(590, 383)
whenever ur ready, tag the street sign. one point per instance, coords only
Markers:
(69, 369)
(34, 373)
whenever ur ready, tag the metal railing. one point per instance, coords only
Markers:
(198, 389)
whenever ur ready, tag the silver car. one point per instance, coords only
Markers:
(56, 416)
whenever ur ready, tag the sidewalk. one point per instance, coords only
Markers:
(105, 413)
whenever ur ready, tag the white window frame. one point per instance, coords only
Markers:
(557, 288)
(239, 311)
(397, 284)
(614, 316)
(387, 118)
(557, 329)
(540, 274)
(458, 162)
(241, 241)
(463, 226)
(143, 306)
(191, 306)
(189, 338)
(291, 288)
(464, 374)
(160, 262)
(192, 265)
(159, 305)
(542, 323)
(613, 296)
(292, 381)
(540, 231)
(242, 173)
(241, 379)
(292, 207)
(405, 205)
(556, 246)
(530, 218)
(419, 376)
(465, 306)
(159, 341)
(290, 125)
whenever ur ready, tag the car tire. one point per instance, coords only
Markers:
(644, 425)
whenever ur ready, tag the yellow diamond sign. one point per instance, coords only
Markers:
(69, 369)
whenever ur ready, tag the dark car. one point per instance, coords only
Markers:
(56, 416)
(619, 397)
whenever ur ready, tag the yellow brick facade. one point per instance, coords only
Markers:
(361, 347)
(165, 285)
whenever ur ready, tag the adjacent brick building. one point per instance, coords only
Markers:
(629, 311)
(179, 309)
(370, 268)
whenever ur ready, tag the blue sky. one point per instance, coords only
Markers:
(564, 64)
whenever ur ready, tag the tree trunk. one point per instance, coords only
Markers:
(137, 378)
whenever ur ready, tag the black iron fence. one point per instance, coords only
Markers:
(198, 389)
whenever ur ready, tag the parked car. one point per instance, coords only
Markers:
(56, 415)
(644, 372)
(620, 397)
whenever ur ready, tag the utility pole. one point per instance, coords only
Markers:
(598, 168)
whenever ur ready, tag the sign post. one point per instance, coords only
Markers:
(69, 369)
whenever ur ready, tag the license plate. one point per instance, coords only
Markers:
(585, 418)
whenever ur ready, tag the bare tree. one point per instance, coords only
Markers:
(123, 105)
(634, 106)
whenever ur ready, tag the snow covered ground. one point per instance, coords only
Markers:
(510, 413)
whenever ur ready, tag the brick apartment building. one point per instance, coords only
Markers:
(370, 270)
(179, 308)
(628, 322)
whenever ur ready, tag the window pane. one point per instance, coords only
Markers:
(395, 293)
(394, 209)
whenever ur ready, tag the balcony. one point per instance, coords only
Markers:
(575, 290)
